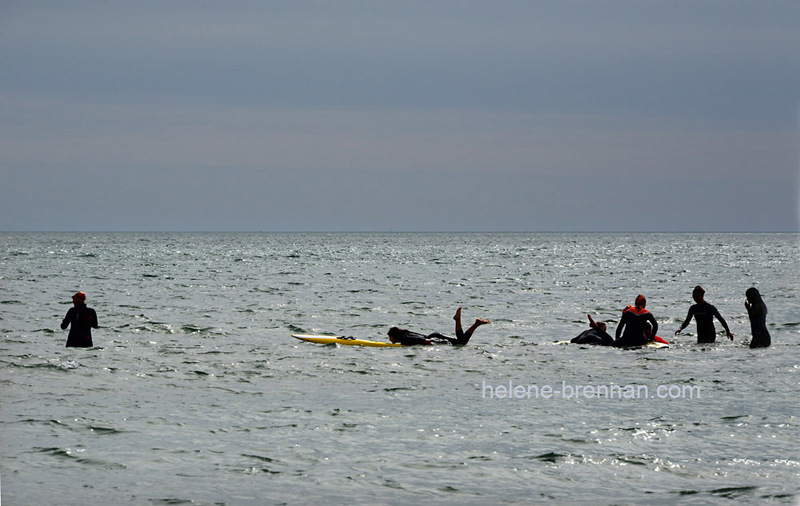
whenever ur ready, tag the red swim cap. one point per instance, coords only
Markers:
(79, 296)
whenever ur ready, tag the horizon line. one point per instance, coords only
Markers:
(92, 231)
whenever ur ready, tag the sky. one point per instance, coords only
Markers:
(395, 116)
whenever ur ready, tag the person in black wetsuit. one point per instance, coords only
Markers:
(704, 314)
(633, 321)
(757, 312)
(408, 338)
(595, 335)
(82, 319)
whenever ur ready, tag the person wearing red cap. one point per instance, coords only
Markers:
(82, 319)
(633, 321)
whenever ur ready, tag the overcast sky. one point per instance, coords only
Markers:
(427, 115)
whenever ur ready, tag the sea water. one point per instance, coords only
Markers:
(196, 393)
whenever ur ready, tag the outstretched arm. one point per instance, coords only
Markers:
(724, 324)
(686, 321)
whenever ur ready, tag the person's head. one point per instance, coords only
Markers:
(641, 301)
(602, 326)
(753, 295)
(79, 298)
(698, 293)
(394, 333)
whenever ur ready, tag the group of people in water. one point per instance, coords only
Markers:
(637, 327)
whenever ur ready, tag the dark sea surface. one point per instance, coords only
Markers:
(196, 393)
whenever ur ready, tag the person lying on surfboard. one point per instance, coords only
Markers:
(596, 334)
(409, 338)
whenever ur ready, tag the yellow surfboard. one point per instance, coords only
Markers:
(342, 340)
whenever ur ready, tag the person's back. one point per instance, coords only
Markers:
(595, 335)
(80, 319)
(757, 313)
(407, 337)
(592, 336)
(704, 315)
(633, 322)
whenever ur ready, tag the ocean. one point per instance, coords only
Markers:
(196, 393)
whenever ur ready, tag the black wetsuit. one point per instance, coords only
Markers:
(633, 321)
(594, 336)
(82, 319)
(704, 314)
(758, 325)
(409, 338)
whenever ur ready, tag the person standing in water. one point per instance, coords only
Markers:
(633, 322)
(408, 338)
(757, 312)
(704, 314)
(82, 319)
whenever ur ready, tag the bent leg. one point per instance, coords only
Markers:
(462, 337)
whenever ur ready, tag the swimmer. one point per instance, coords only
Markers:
(757, 312)
(704, 314)
(596, 334)
(408, 338)
(82, 319)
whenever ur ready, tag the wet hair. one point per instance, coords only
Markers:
(698, 289)
(755, 300)
(754, 296)
(395, 332)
